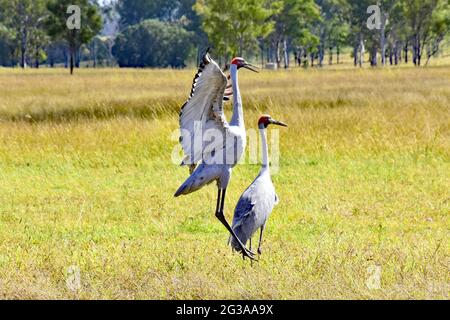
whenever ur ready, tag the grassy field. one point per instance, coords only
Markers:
(86, 188)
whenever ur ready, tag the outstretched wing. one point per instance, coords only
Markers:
(203, 110)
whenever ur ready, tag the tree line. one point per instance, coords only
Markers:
(160, 33)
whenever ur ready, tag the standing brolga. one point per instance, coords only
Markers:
(257, 202)
(212, 145)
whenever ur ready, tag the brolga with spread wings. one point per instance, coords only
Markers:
(212, 145)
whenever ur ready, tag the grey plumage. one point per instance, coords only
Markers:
(254, 208)
(257, 202)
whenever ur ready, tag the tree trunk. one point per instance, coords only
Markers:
(23, 48)
(262, 56)
(417, 50)
(396, 54)
(77, 57)
(419, 53)
(94, 58)
(66, 58)
(338, 53)
(383, 39)
(72, 58)
(320, 56)
(22, 59)
(298, 56)
(361, 51)
(406, 52)
(330, 61)
(374, 57)
(36, 62)
(278, 57)
(286, 54)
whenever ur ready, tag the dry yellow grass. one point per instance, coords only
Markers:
(86, 184)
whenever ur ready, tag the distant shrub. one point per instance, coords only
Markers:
(5, 47)
(153, 43)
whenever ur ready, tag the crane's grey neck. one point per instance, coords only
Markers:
(238, 112)
(264, 151)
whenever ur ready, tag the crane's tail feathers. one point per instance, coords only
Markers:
(195, 182)
(180, 191)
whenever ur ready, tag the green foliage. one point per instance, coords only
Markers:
(275, 27)
(180, 12)
(294, 16)
(57, 20)
(91, 23)
(153, 43)
(429, 23)
(234, 25)
(135, 11)
(24, 18)
(334, 23)
(440, 25)
(100, 49)
(6, 46)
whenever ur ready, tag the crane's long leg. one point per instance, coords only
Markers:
(251, 261)
(221, 217)
(261, 239)
(218, 200)
(249, 248)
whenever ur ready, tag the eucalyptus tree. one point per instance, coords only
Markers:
(91, 24)
(25, 18)
(419, 17)
(236, 26)
(358, 17)
(7, 47)
(38, 43)
(293, 19)
(332, 27)
(153, 43)
(133, 12)
(440, 28)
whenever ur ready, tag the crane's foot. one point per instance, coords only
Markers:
(253, 259)
(248, 254)
(245, 252)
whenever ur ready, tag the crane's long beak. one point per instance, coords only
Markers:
(278, 123)
(251, 67)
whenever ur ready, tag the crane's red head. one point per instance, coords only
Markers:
(266, 120)
(241, 63)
